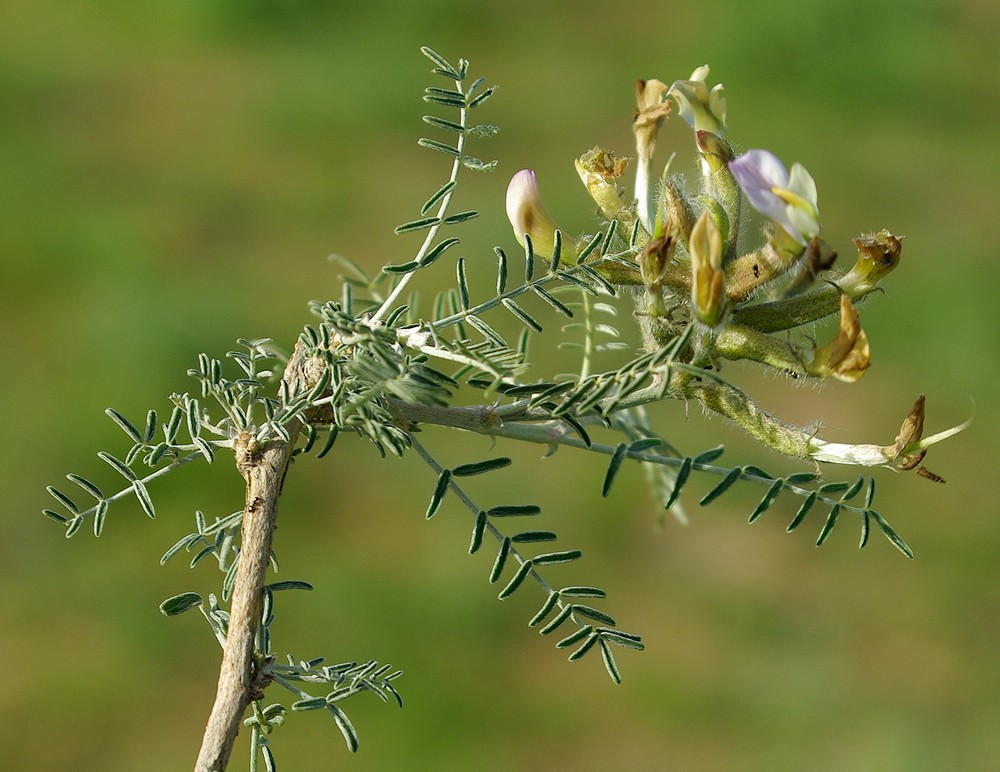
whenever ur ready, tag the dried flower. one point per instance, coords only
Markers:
(906, 452)
(878, 254)
(847, 356)
(599, 169)
(652, 109)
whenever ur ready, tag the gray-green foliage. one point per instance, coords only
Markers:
(386, 365)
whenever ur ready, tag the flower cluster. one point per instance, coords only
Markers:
(740, 303)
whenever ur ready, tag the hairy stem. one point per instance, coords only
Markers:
(727, 400)
(514, 421)
(777, 315)
(738, 342)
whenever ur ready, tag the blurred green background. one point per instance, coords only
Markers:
(174, 174)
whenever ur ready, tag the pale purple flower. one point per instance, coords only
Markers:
(787, 198)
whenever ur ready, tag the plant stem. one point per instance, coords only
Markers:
(442, 208)
(263, 466)
(264, 471)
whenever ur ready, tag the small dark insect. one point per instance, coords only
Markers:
(252, 506)
(756, 271)
(926, 473)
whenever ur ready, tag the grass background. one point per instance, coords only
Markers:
(174, 175)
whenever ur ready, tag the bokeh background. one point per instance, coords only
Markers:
(174, 175)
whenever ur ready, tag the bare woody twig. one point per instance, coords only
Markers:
(263, 466)
(263, 472)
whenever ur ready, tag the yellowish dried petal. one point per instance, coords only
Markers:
(847, 356)
(912, 428)
(599, 169)
(878, 255)
(652, 110)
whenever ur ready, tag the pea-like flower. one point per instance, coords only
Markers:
(527, 215)
(702, 110)
(787, 198)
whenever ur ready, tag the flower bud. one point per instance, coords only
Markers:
(527, 215)
(715, 152)
(848, 355)
(708, 293)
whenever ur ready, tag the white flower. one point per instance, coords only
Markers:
(703, 110)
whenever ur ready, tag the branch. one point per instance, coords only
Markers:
(727, 400)
(263, 466)
(263, 471)
(536, 424)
